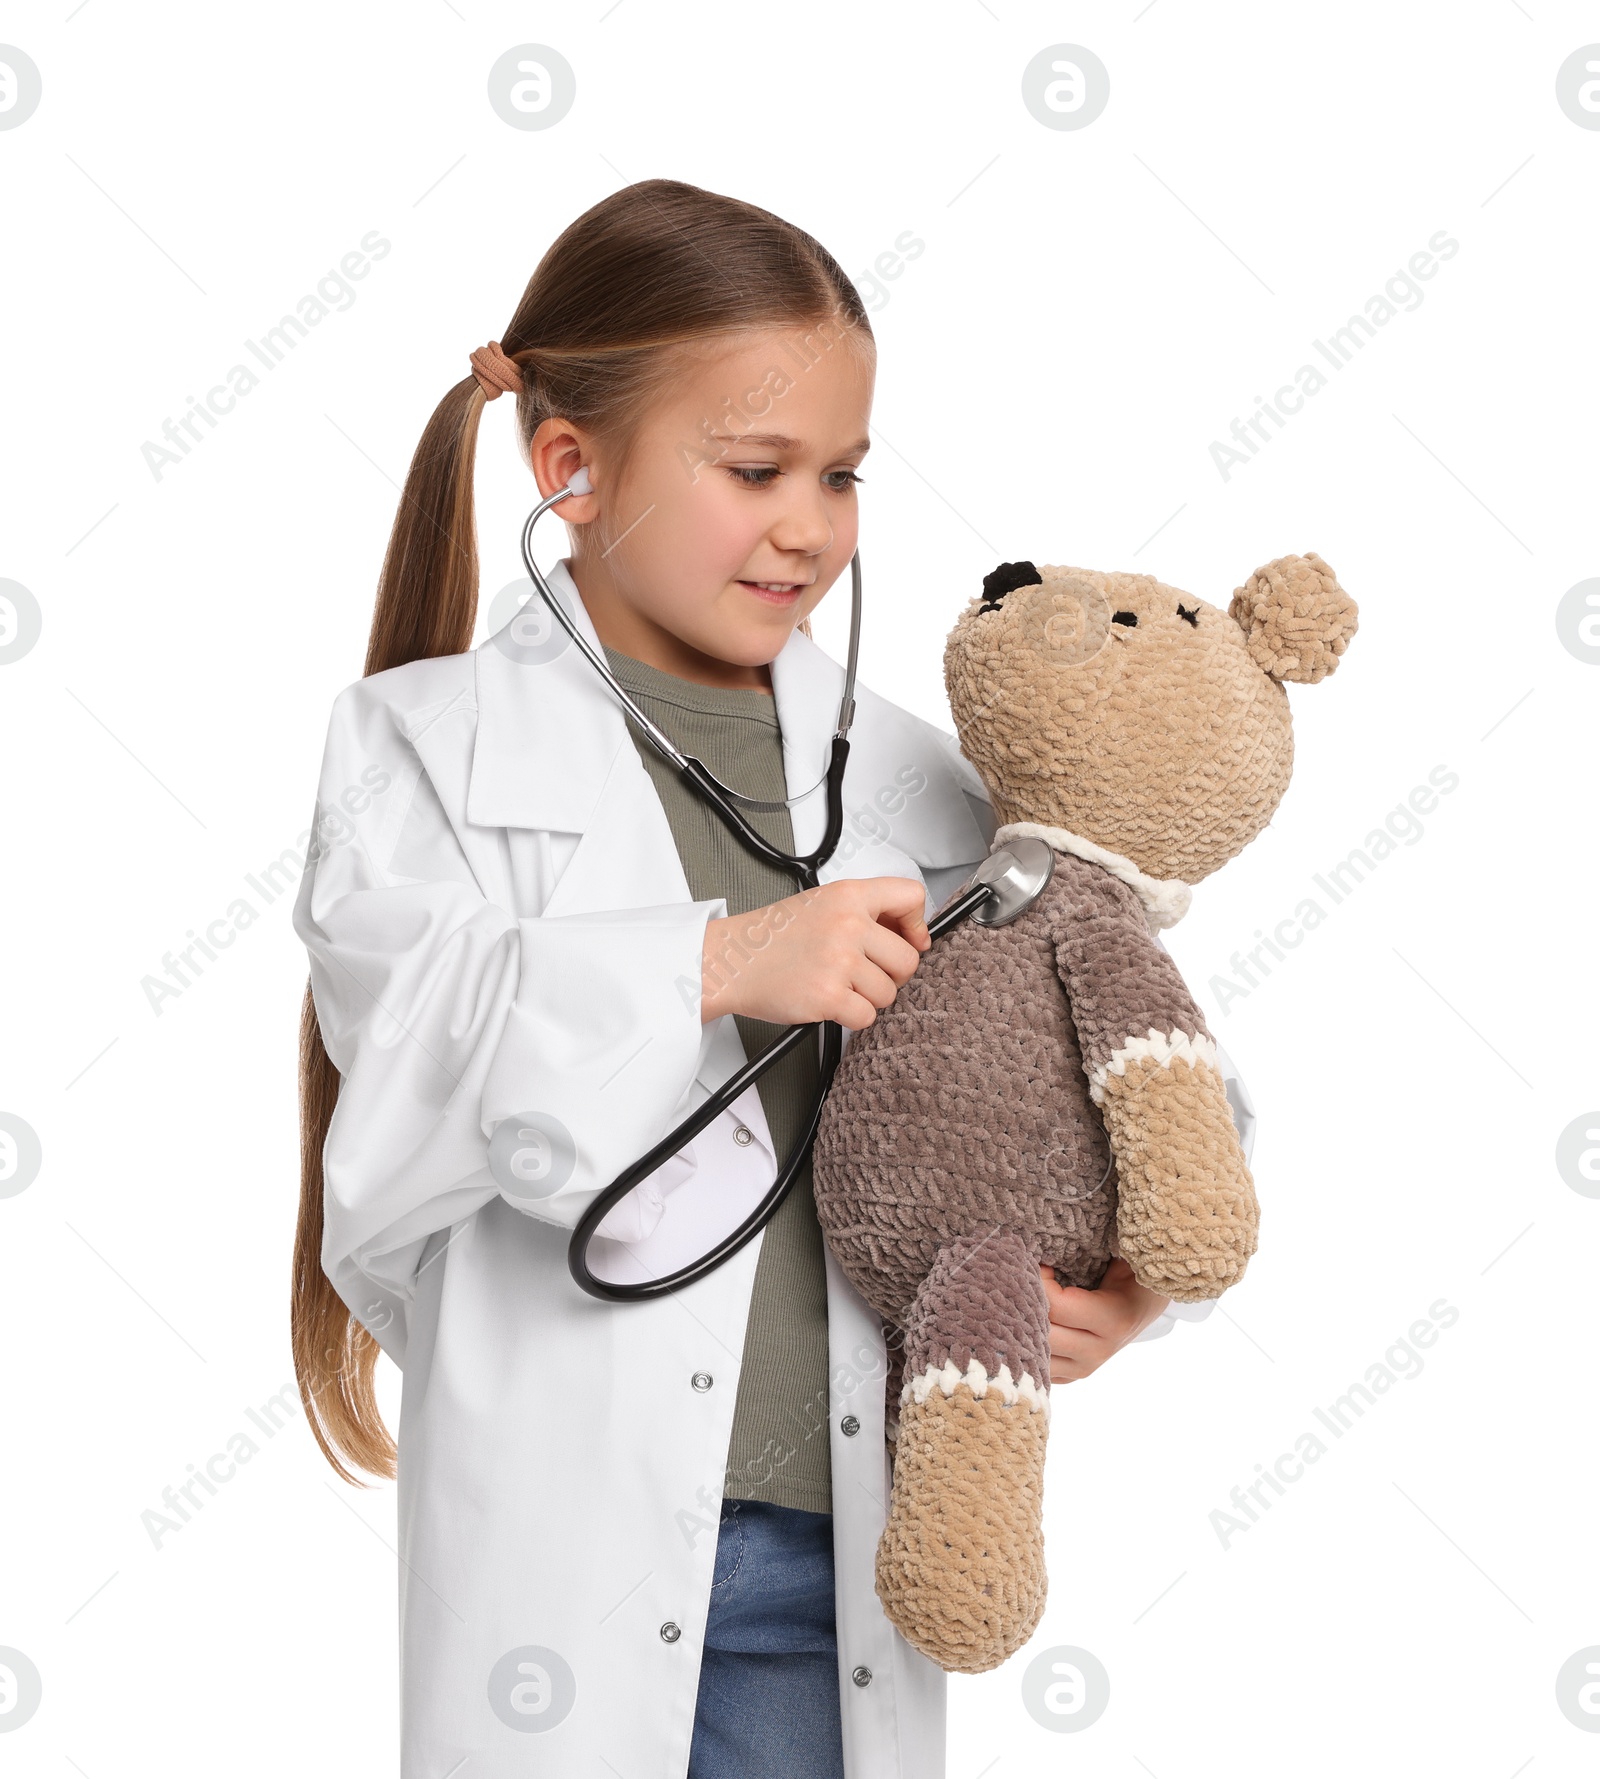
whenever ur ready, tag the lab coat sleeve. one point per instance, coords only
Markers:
(446, 1015)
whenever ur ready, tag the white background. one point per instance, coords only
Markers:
(1091, 309)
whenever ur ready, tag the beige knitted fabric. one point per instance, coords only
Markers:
(1187, 1217)
(1298, 620)
(960, 1567)
(1087, 701)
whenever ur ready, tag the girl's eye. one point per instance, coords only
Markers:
(763, 476)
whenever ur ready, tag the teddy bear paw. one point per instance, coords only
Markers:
(960, 1566)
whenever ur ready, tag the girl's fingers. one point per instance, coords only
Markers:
(856, 1014)
(874, 984)
(1074, 1308)
(914, 929)
(1074, 1353)
(897, 903)
(896, 956)
(1087, 1327)
(1076, 1343)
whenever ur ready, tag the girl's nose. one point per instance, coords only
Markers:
(804, 528)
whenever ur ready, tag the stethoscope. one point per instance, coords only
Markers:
(1005, 885)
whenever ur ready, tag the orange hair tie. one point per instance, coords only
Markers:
(497, 375)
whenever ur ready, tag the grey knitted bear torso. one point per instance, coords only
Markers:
(965, 1107)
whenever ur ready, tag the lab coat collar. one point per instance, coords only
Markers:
(548, 731)
(532, 716)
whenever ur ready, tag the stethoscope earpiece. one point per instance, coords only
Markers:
(579, 482)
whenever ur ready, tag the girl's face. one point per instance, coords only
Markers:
(736, 508)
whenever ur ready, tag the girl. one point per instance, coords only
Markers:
(634, 1537)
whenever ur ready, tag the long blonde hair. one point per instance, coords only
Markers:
(654, 267)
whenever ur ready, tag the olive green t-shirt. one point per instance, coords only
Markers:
(779, 1446)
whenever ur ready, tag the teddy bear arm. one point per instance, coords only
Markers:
(1187, 1217)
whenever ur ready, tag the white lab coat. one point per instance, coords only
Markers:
(499, 926)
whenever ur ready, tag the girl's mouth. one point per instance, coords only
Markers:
(775, 592)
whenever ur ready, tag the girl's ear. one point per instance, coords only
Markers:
(557, 451)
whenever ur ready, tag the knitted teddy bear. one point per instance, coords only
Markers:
(1046, 1092)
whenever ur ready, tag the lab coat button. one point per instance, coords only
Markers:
(862, 1676)
(701, 1380)
(849, 1425)
(670, 1632)
(743, 1137)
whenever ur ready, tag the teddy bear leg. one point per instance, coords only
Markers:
(960, 1566)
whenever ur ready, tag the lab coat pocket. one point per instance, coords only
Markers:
(694, 1200)
(636, 1216)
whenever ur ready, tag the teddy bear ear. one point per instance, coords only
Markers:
(1297, 619)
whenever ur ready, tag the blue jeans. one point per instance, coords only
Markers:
(769, 1677)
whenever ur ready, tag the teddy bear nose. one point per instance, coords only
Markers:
(1006, 579)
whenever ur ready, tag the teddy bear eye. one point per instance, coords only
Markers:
(1189, 617)
(1124, 618)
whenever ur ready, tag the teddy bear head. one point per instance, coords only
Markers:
(1135, 715)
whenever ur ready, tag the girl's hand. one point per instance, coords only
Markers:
(1087, 1327)
(840, 952)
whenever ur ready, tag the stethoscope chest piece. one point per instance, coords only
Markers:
(1016, 874)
